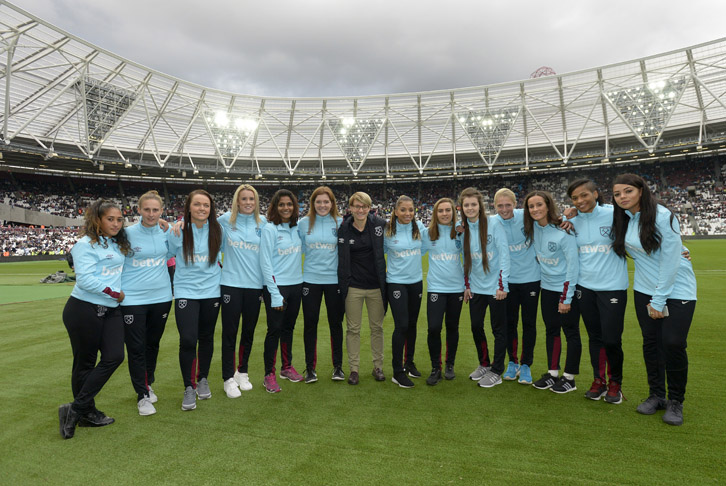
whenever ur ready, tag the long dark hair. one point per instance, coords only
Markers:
(553, 214)
(650, 237)
(391, 225)
(434, 224)
(483, 230)
(589, 185)
(92, 226)
(273, 216)
(214, 240)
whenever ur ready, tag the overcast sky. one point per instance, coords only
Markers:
(344, 47)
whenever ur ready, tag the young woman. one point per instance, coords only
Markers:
(281, 264)
(241, 285)
(404, 280)
(196, 290)
(601, 301)
(445, 287)
(319, 236)
(145, 280)
(91, 315)
(486, 267)
(362, 280)
(524, 277)
(664, 289)
(557, 255)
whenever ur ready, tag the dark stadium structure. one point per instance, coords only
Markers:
(80, 122)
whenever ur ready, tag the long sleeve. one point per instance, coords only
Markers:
(569, 244)
(500, 238)
(84, 263)
(267, 247)
(669, 262)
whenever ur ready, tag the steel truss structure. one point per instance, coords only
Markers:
(67, 99)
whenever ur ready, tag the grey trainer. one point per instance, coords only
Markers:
(203, 391)
(190, 399)
(651, 405)
(146, 407)
(674, 413)
(490, 379)
(479, 372)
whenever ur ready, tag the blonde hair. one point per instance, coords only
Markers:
(333, 209)
(151, 195)
(362, 198)
(504, 192)
(234, 211)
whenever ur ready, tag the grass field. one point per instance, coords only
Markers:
(375, 433)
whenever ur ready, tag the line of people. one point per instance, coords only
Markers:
(500, 263)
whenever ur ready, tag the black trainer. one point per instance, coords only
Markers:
(563, 385)
(547, 381)
(449, 372)
(410, 368)
(310, 376)
(95, 418)
(338, 374)
(674, 413)
(402, 380)
(651, 405)
(68, 419)
(434, 377)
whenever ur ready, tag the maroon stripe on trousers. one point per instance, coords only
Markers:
(241, 354)
(556, 350)
(194, 372)
(515, 345)
(284, 355)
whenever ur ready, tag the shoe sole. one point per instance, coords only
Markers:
(399, 384)
(670, 422)
(411, 375)
(338, 378)
(434, 383)
(204, 397)
(490, 385)
(311, 381)
(574, 388)
(246, 388)
(597, 397)
(542, 387)
(283, 377)
(620, 400)
(233, 396)
(186, 408)
(273, 391)
(525, 382)
(146, 414)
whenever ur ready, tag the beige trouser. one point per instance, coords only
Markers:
(353, 317)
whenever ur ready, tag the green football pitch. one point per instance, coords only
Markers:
(373, 433)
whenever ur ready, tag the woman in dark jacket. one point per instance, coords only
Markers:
(362, 278)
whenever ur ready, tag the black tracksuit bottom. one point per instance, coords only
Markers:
(477, 311)
(312, 296)
(92, 328)
(664, 345)
(439, 305)
(405, 302)
(245, 303)
(526, 297)
(570, 324)
(143, 327)
(280, 326)
(196, 320)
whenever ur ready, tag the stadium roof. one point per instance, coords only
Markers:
(71, 104)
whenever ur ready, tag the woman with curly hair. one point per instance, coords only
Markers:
(91, 315)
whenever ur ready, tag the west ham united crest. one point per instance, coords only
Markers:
(579, 294)
(181, 303)
(226, 298)
(396, 294)
(258, 232)
(552, 246)
(129, 319)
(489, 239)
(305, 291)
(606, 231)
(378, 231)
(334, 231)
(434, 297)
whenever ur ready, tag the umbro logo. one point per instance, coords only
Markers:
(533, 294)
(613, 301)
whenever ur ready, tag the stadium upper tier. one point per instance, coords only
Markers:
(70, 105)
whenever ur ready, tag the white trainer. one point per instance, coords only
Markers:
(152, 395)
(243, 380)
(230, 388)
(146, 407)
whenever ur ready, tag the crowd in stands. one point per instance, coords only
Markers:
(32, 241)
(692, 190)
